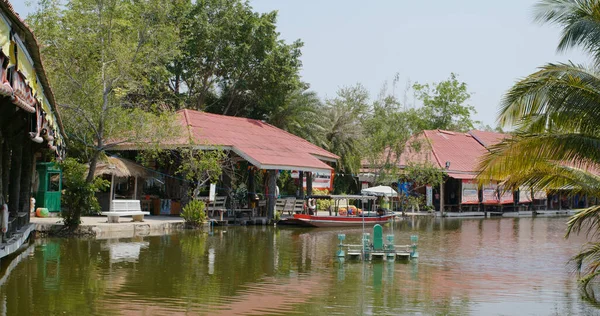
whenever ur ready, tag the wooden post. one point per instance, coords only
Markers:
(15, 176)
(272, 183)
(135, 188)
(559, 201)
(26, 175)
(252, 203)
(442, 198)
(112, 190)
(5, 168)
(309, 183)
(301, 184)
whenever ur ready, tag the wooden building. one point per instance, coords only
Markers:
(30, 126)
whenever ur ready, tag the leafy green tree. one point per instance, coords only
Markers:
(233, 60)
(387, 130)
(342, 122)
(555, 112)
(99, 55)
(445, 105)
(301, 115)
(79, 196)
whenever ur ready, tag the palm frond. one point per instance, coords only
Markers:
(525, 152)
(579, 19)
(587, 221)
(561, 96)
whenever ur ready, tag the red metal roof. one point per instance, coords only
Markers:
(262, 144)
(461, 150)
(487, 138)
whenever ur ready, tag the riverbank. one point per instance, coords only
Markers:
(97, 226)
(494, 214)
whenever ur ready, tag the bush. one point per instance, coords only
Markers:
(322, 205)
(193, 213)
(79, 196)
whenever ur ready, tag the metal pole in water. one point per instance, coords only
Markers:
(340, 252)
(414, 240)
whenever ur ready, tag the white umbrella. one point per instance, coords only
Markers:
(381, 190)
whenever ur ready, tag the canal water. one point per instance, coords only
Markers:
(466, 267)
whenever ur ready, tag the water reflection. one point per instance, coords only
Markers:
(478, 266)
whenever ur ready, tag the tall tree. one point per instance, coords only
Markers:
(343, 117)
(233, 61)
(555, 113)
(301, 115)
(100, 53)
(387, 130)
(445, 105)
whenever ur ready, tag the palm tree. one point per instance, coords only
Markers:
(301, 115)
(556, 113)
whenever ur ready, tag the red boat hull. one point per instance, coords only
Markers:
(338, 221)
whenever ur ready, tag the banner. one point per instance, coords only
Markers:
(525, 195)
(490, 193)
(539, 195)
(212, 193)
(321, 180)
(429, 194)
(404, 187)
(506, 197)
(470, 192)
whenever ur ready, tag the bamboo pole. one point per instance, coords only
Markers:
(135, 188)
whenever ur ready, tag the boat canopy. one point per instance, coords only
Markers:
(342, 197)
(381, 190)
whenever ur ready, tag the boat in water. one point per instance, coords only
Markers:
(337, 221)
(340, 215)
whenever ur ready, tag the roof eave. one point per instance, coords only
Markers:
(34, 51)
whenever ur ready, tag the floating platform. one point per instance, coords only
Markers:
(377, 249)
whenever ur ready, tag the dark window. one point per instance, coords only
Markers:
(53, 182)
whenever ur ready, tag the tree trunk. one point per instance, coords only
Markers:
(26, 174)
(14, 181)
(93, 163)
(185, 192)
(272, 181)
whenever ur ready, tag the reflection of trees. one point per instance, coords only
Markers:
(281, 270)
(61, 271)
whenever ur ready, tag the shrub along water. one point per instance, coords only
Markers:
(194, 213)
(79, 195)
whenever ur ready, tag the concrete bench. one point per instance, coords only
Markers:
(120, 208)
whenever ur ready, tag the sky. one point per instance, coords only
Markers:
(488, 44)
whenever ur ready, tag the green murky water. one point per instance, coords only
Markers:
(466, 267)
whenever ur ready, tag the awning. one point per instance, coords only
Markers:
(380, 190)
(461, 176)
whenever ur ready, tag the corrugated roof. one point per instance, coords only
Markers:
(487, 138)
(263, 145)
(461, 150)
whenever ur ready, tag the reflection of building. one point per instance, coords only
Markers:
(458, 155)
(29, 121)
(125, 251)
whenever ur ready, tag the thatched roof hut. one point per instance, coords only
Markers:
(121, 168)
